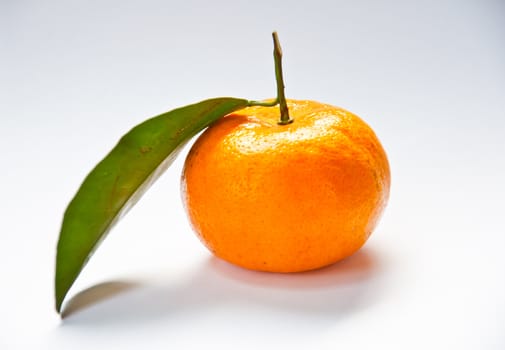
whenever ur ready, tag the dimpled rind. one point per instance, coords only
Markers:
(286, 198)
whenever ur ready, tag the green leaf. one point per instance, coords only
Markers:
(120, 179)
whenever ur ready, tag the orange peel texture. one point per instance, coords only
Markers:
(286, 198)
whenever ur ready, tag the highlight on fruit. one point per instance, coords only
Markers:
(276, 185)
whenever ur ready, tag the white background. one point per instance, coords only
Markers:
(428, 76)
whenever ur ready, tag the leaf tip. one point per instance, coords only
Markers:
(58, 304)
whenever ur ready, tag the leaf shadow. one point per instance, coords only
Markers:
(95, 295)
(329, 293)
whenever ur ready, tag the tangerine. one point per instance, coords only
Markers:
(286, 198)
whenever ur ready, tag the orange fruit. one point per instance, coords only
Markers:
(286, 198)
